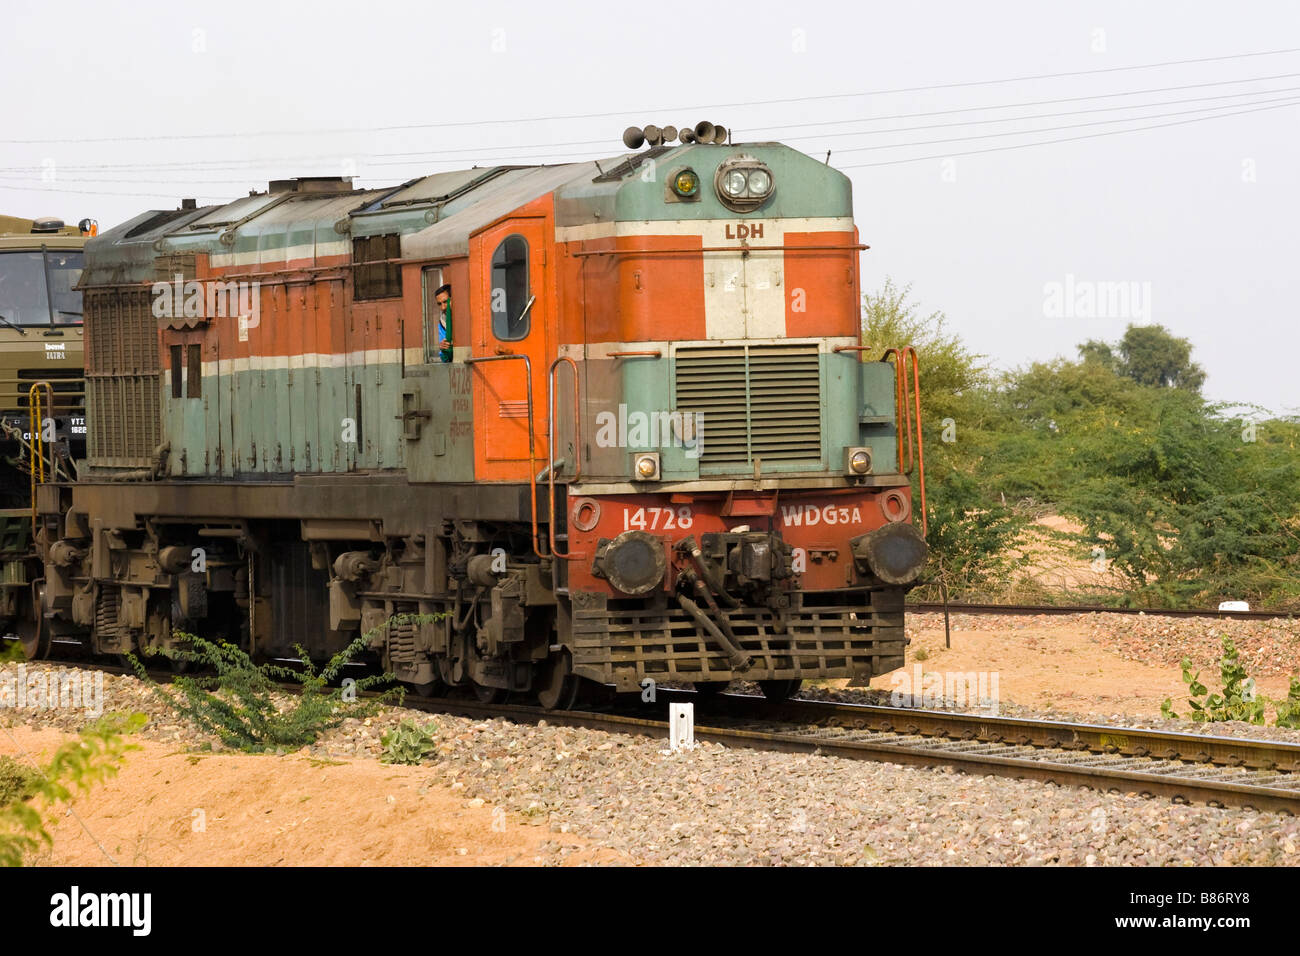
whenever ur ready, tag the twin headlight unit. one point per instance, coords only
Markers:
(743, 183)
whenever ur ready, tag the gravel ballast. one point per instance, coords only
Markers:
(725, 806)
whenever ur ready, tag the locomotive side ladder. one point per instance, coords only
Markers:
(907, 407)
(36, 440)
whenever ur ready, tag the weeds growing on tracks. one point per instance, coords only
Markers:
(238, 701)
(408, 743)
(1239, 700)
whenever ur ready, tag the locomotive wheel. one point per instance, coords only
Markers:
(34, 637)
(433, 688)
(780, 689)
(32, 630)
(558, 688)
(489, 695)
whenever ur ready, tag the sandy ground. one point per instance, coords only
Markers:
(172, 808)
(1054, 566)
(1059, 665)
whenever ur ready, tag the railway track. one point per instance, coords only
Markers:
(1029, 610)
(1182, 767)
(1185, 768)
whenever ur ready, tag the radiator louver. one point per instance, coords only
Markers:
(753, 401)
(123, 397)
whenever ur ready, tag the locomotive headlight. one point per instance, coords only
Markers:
(647, 466)
(857, 461)
(634, 562)
(686, 183)
(744, 183)
(894, 553)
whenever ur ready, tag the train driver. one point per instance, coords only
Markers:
(442, 298)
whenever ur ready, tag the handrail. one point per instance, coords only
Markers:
(649, 353)
(829, 247)
(920, 441)
(901, 419)
(532, 437)
(36, 439)
(550, 445)
(905, 387)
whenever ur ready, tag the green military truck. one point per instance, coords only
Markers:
(40, 341)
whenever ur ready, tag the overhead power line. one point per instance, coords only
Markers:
(623, 113)
(774, 129)
(423, 158)
(1067, 139)
(1053, 129)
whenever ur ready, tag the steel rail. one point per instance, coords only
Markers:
(1224, 751)
(1182, 780)
(1185, 768)
(1029, 610)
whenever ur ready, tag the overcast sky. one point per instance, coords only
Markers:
(110, 111)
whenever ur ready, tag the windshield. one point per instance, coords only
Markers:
(26, 291)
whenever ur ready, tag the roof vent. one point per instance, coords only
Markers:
(47, 224)
(312, 184)
(189, 204)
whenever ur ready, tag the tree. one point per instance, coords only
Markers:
(970, 529)
(1098, 353)
(1149, 355)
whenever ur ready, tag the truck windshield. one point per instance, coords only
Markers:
(27, 292)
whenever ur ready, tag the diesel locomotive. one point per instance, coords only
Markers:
(527, 427)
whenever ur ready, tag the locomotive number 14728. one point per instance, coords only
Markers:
(657, 519)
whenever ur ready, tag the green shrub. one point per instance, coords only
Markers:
(16, 781)
(407, 743)
(1288, 711)
(1238, 700)
(76, 766)
(241, 704)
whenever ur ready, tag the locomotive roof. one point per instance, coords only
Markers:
(435, 215)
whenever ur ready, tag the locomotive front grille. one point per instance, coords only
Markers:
(753, 401)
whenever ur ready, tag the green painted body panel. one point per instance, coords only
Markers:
(878, 427)
(647, 390)
(277, 421)
(440, 452)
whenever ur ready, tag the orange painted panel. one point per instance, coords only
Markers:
(829, 304)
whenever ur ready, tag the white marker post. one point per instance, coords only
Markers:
(681, 727)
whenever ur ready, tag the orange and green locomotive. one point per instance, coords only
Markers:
(607, 421)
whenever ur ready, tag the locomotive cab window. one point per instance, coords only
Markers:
(511, 305)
